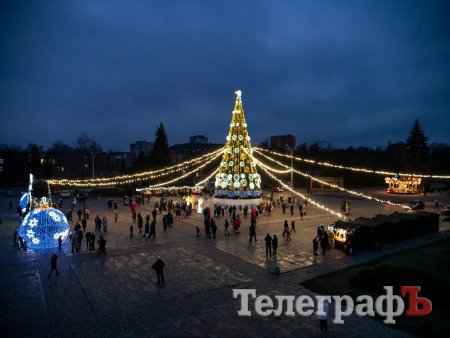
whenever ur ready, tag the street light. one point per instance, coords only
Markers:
(93, 164)
(292, 164)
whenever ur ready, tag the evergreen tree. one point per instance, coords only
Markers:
(417, 152)
(160, 155)
(237, 176)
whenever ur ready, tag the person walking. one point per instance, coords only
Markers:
(436, 206)
(131, 230)
(158, 266)
(322, 314)
(207, 226)
(300, 209)
(153, 229)
(315, 246)
(293, 226)
(268, 241)
(147, 229)
(105, 224)
(88, 239)
(92, 242)
(59, 243)
(140, 220)
(84, 224)
(227, 225)
(323, 243)
(101, 245)
(274, 244)
(252, 233)
(287, 234)
(53, 262)
(116, 215)
(213, 227)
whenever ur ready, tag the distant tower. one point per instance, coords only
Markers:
(238, 182)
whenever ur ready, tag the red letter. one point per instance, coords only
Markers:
(414, 301)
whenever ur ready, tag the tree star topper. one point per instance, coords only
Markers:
(238, 93)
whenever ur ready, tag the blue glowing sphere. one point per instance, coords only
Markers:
(24, 201)
(41, 228)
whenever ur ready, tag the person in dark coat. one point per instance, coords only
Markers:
(92, 242)
(213, 227)
(207, 227)
(88, 239)
(158, 266)
(101, 245)
(252, 233)
(323, 243)
(268, 241)
(141, 221)
(53, 262)
(274, 244)
(59, 243)
(153, 229)
(147, 229)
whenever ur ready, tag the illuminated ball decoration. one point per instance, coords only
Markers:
(42, 227)
(24, 202)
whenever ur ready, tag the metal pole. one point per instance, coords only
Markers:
(292, 168)
(93, 164)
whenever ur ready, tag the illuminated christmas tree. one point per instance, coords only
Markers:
(237, 178)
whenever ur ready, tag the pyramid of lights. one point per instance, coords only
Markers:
(237, 181)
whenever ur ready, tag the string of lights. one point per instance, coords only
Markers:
(187, 174)
(285, 186)
(363, 170)
(152, 188)
(164, 188)
(207, 178)
(371, 198)
(126, 179)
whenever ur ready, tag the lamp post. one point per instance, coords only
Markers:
(292, 168)
(292, 164)
(93, 164)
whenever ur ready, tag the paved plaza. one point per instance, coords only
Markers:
(116, 295)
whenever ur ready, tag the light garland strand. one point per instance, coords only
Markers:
(164, 188)
(207, 178)
(371, 198)
(151, 188)
(189, 173)
(320, 206)
(368, 171)
(126, 179)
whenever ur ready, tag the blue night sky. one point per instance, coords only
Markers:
(348, 72)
